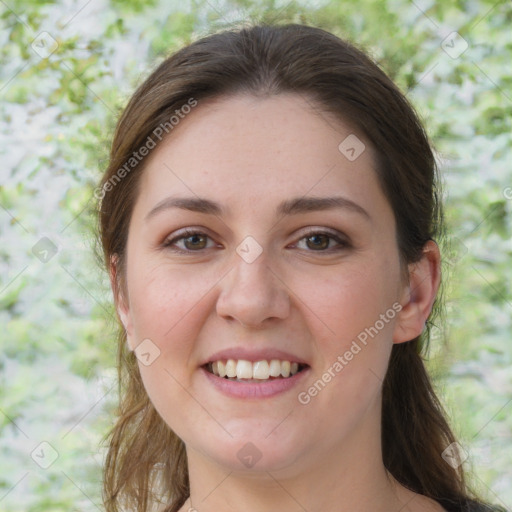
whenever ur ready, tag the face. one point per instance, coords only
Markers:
(229, 257)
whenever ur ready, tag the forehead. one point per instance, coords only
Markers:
(244, 149)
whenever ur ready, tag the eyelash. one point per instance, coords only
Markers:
(342, 243)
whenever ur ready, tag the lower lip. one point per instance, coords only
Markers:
(263, 389)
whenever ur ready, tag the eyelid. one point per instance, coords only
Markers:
(181, 234)
(341, 239)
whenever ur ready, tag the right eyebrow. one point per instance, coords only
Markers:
(194, 204)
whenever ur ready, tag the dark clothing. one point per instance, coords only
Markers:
(471, 506)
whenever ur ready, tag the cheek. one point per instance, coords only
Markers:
(166, 306)
(350, 300)
(354, 337)
(165, 300)
(353, 350)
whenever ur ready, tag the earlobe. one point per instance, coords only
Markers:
(419, 294)
(121, 303)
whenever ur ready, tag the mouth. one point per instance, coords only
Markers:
(242, 370)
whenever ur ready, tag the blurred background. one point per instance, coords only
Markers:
(67, 69)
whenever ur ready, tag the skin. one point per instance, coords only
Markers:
(249, 154)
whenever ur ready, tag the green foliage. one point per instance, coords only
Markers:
(58, 114)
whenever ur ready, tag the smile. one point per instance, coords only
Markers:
(243, 370)
(256, 379)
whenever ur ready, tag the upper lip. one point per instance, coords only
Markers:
(253, 355)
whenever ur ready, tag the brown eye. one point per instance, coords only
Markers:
(322, 242)
(196, 241)
(318, 241)
(188, 241)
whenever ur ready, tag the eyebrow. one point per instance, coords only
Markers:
(292, 206)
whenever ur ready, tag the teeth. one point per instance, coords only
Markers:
(260, 370)
(275, 368)
(244, 369)
(221, 369)
(230, 368)
(285, 368)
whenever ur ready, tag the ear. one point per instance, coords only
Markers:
(121, 302)
(418, 294)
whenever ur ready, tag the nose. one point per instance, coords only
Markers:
(253, 294)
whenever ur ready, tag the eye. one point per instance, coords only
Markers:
(321, 241)
(193, 241)
(190, 240)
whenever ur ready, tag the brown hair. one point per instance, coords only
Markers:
(267, 60)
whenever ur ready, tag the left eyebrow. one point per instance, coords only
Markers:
(292, 206)
(310, 204)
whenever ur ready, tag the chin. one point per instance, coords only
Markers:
(255, 454)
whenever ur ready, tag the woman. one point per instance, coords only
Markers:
(269, 220)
